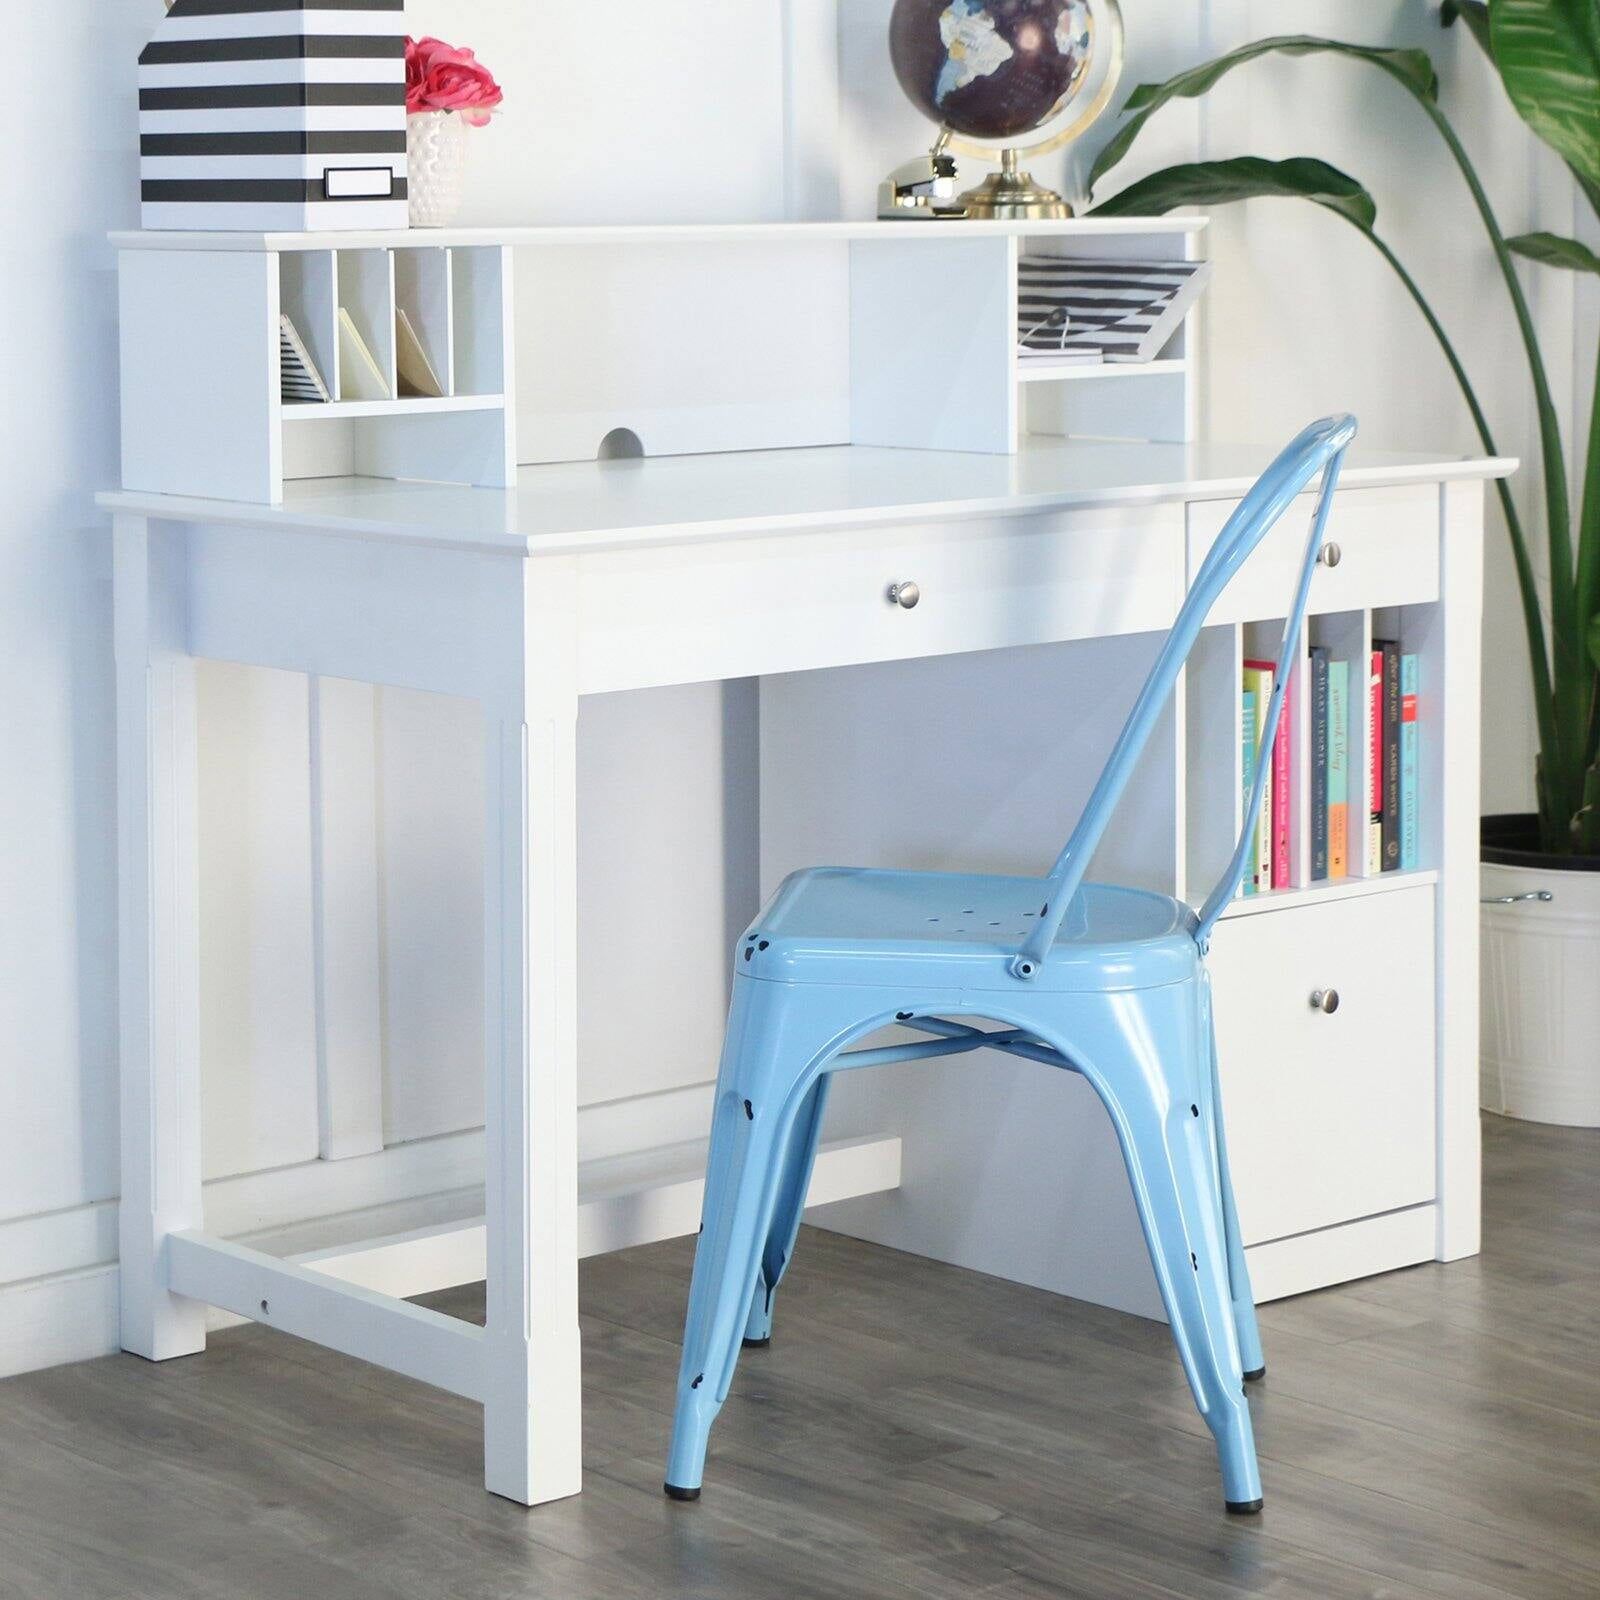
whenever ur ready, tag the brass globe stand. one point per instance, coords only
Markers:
(1011, 195)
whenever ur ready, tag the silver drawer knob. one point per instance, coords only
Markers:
(904, 595)
(1325, 1000)
(1330, 555)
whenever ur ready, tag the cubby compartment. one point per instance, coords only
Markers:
(1344, 635)
(1345, 862)
(480, 300)
(424, 312)
(411, 342)
(308, 293)
(366, 306)
(1111, 400)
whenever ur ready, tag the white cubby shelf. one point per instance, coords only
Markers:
(1213, 735)
(626, 340)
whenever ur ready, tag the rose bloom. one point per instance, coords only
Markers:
(439, 77)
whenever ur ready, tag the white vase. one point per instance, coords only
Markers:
(1540, 1046)
(436, 166)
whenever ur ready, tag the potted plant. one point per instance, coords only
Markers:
(448, 90)
(1541, 873)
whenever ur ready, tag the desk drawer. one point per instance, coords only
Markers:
(1388, 542)
(786, 602)
(1329, 1118)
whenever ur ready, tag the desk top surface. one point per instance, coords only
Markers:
(578, 506)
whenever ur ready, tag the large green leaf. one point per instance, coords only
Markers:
(1410, 67)
(1554, 251)
(1594, 641)
(1213, 183)
(1548, 53)
(1476, 16)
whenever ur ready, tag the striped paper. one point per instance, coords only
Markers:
(1103, 310)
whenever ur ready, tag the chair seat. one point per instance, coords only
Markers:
(857, 925)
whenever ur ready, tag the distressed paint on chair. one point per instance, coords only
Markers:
(1105, 981)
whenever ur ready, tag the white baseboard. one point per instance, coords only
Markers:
(48, 1321)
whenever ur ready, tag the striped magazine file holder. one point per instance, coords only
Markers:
(275, 116)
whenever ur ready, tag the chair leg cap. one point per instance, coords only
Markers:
(1256, 1376)
(1243, 1508)
(758, 1344)
(675, 1493)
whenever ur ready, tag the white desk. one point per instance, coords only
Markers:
(591, 578)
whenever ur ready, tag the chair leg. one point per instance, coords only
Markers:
(772, 1040)
(1150, 1065)
(1244, 1304)
(799, 1159)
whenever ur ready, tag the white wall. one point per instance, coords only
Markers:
(1301, 318)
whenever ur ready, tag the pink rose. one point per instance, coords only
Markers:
(440, 77)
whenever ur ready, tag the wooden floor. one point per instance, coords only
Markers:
(914, 1430)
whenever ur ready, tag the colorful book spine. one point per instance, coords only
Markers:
(1280, 797)
(1391, 755)
(1319, 762)
(1258, 679)
(1375, 765)
(1275, 810)
(1410, 675)
(1338, 770)
(1247, 776)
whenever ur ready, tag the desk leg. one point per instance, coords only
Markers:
(533, 1433)
(158, 930)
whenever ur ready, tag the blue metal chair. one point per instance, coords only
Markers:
(1109, 982)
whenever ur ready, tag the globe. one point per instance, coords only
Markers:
(991, 69)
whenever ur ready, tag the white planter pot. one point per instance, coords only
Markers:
(436, 166)
(1540, 1052)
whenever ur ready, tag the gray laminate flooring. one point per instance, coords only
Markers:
(914, 1430)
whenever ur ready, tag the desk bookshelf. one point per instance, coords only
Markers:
(564, 344)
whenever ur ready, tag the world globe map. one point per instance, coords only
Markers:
(991, 69)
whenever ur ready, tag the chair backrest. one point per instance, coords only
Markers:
(1320, 448)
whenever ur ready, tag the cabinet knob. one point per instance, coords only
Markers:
(1330, 555)
(904, 595)
(1325, 1000)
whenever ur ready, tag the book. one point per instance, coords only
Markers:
(360, 376)
(1258, 680)
(1410, 676)
(1338, 770)
(1375, 764)
(1275, 809)
(416, 372)
(1390, 825)
(1320, 663)
(300, 382)
(1247, 778)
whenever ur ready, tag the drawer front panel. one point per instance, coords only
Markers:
(788, 602)
(1329, 1118)
(1388, 543)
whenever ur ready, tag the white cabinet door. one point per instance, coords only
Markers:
(1330, 1117)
